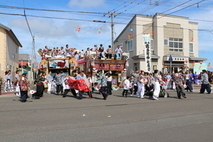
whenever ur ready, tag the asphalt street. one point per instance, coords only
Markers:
(53, 119)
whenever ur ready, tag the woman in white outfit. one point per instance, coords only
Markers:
(157, 79)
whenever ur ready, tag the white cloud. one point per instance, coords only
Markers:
(45, 28)
(86, 3)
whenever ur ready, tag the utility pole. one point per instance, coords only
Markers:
(112, 31)
(112, 15)
(32, 59)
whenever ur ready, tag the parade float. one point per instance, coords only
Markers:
(67, 64)
(90, 65)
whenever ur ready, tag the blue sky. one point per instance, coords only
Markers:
(57, 33)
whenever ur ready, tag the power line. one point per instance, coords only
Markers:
(188, 6)
(177, 6)
(25, 16)
(72, 19)
(49, 10)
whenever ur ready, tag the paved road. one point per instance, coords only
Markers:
(54, 119)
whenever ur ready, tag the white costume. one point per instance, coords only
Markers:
(156, 86)
(49, 79)
(141, 87)
(17, 88)
(8, 83)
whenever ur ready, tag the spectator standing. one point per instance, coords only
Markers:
(8, 82)
(109, 52)
(118, 52)
(101, 51)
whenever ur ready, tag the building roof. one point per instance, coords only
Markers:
(11, 34)
(152, 16)
(168, 15)
(143, 56)
(125, 28)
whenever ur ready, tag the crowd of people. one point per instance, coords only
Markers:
(59, 84)
(140, 83)
(155, 84)
(97, 52)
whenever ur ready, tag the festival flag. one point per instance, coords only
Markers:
(193, 64)
(78, 28)
(209, 64)
(100, 30)
(129, 36)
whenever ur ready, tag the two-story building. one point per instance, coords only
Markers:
(9, 50)
(167, 35)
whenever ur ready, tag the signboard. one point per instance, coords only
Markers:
(147, 52)
(170, 58)
(198, 67)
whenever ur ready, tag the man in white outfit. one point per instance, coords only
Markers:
(49, 79)
(157, 79)
(126, 85)
(141, 85)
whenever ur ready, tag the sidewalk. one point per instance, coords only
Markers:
(7, 93)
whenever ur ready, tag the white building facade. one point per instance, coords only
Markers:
(169, 35)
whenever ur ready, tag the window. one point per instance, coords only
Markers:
(190, 47)
(129, 45)
(136, 66)
(166, 42)
(175, 44)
